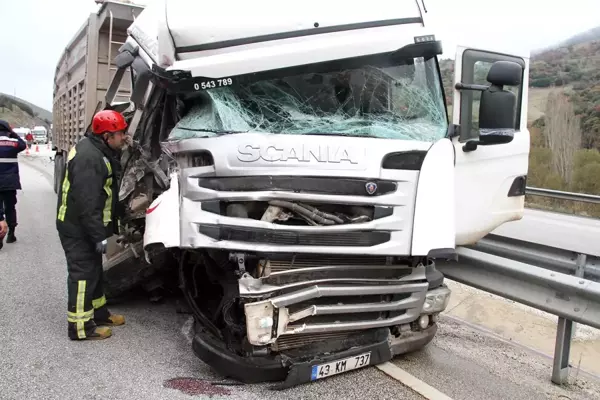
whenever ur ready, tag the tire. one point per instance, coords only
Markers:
(58, 171)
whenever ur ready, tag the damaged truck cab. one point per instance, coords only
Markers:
(304, 173)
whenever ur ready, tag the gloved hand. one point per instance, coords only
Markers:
(101, 247)
(3, 229)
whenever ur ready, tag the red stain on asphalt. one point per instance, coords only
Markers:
(195, 387)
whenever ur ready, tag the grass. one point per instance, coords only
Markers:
(537, 101)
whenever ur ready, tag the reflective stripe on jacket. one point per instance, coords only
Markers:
(10, 147)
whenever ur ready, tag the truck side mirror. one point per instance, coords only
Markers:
(498, 107)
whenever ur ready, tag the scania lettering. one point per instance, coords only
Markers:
(305, 153)
(300, 176)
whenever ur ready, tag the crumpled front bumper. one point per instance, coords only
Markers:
(290, 371)
(319, 306)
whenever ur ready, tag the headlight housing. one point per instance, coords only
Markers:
(436, 300)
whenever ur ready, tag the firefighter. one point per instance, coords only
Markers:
(10, 147)
(86, 218)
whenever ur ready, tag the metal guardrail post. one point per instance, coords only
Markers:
(562, 350)
(564, 336)
(569, 296)
(538, 276)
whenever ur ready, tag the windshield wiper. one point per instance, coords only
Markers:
(330, 134)
(357, 134)
(217, 132)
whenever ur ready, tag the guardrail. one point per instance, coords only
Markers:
(557, 194)
(556, 281)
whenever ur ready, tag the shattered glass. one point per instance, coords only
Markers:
(399, 102)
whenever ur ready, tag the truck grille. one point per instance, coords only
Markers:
(296, 214)
(317, 185)
(290, 238)
(308, 261)
(287, 342)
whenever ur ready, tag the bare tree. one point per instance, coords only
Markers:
(562, 133)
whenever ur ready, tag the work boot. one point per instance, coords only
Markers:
(113, 320)
(11, 238)
(99, 333)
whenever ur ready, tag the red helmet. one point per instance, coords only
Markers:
(108, 121)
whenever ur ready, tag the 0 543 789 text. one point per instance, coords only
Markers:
(215, 83)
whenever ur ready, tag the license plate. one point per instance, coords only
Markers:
(340, 366)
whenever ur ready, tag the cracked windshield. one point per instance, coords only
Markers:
(397, 102)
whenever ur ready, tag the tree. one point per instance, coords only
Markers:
(562, 133)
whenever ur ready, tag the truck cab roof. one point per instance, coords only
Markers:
(256, 25)
(198, 36)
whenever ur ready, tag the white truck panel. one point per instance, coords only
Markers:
(484, 177)
(204, 23)
(176, 30)
(162, 217)
(433, 224)
(310, 49)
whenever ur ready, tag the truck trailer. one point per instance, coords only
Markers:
(300, 175)
(83, 74)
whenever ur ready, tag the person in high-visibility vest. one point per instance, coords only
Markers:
(11, 145)
(86, 218)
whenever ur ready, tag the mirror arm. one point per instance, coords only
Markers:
(471, 86)
(471, 145)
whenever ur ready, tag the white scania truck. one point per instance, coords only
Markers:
(301, 169)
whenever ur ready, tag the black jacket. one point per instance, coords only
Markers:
(88, 196)
(10, 146)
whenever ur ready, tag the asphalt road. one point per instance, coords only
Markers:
(579, 234)
(37, 361)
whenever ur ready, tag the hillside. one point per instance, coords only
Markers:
(576, 70)
(583, 37)
(19, 112)
(41, 112)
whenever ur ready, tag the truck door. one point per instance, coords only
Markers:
(490, 164)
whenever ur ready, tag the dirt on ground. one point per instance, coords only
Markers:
(522, 324)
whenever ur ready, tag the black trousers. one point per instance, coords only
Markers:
(9, 199)
(86, 300)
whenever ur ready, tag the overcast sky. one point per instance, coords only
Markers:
(35, 32)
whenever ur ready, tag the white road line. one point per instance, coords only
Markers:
(429, 392)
